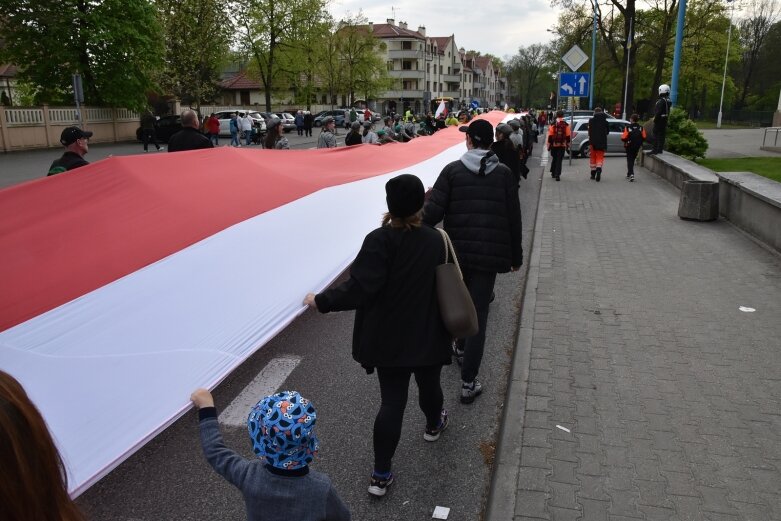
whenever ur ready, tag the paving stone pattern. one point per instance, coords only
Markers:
(671, 393)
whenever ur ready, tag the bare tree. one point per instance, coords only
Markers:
(753, 29)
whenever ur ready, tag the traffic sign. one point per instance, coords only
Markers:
(574, 58)
(574, 84)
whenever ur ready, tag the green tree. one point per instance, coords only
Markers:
(526, 71)
(309, 41)
(359, 54)
(683, 136)
(198, 34)
(115, 45)
(753, 34)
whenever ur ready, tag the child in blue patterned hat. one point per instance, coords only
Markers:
(281, 485)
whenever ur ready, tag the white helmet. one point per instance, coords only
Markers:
(664, 89)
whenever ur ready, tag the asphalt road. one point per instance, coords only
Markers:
(168, 479)
(17, 167)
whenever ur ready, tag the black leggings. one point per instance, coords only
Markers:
(394, 386)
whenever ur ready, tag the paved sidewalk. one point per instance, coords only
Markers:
(634, 341)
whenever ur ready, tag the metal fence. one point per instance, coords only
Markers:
(751, 118)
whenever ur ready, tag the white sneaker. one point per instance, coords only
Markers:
(470, 390)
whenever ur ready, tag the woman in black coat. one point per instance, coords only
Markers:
(398, 327)
(505, 150)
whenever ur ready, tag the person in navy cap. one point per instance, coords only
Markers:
(76, 143)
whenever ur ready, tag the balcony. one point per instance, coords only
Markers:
(451, 78)
(406, 74)
(406, 54)
(451, 94)
(398, 94)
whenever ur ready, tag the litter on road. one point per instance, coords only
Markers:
(745, 309)
(441, 513)
(562, 428)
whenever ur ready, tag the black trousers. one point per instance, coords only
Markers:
(480, 285)
(147, 136)
(394, 387)
(557, 158)
(631, 155)
(660, 134)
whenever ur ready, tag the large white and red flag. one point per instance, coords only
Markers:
(136, 279)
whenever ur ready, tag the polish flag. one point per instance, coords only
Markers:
(442, 109)
(127, 283)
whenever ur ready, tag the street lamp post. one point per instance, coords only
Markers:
(726, 59)
(593, 56)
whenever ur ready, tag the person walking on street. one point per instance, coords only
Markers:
(398, 326)
(633, 137)
(597, 142)
(353, 136)
(190, 137)
(369, 136)
(559, 139)
(299, 121)
(477, 197)
(505, 150)
(327, 139)
(234, 128)
(661, 117)
(275, 135)
(245, 123)
(309, 121)
(213, 127)
(148, 131)
(76, 143)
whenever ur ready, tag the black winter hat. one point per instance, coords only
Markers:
(404, 195)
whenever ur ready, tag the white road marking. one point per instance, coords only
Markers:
(265, 383)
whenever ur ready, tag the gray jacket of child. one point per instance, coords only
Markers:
(268, 495)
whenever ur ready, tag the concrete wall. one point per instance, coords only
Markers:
(749, 201)
(752, 203)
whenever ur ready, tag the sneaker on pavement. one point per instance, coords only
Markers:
(379, 486)
(433, 434)
(632, 179)
(470, 390)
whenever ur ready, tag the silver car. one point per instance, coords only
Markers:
(580, 143)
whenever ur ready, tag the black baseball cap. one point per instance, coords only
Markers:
(481, 132)
(71, 134)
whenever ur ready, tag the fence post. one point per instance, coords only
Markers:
(3, 126)
(46, 126)
(114, 122)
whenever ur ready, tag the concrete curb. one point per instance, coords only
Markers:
(504, 481)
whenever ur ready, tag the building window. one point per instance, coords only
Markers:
(428, 68)
(406, 65)
(427, 83)
(448, 70)
(410, 85)
(406, 46)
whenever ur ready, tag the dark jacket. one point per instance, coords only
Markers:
(392, 287)
(662, 112)
(188, 139)
(598, 131)
(478, 199)
(308, 120)
(353, 137)
(508, 156)
(68, 161)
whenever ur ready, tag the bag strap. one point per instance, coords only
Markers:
(449, 248)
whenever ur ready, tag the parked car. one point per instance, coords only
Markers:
(288, 121)
(339, 115)
(165, 127)
(584, 114)
(259, 123)
(580, 142)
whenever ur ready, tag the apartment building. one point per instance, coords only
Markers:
(427, 69)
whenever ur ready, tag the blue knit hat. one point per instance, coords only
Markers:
(281, 427)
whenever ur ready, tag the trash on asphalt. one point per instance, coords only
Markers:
(441, 513)
(746, 309)
(562, 428)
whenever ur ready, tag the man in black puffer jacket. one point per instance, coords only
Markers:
(477, 197)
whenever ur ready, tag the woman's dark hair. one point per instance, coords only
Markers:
(271, 138)
(33, 483)
(408, 223)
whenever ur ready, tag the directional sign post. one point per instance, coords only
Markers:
(574, 84)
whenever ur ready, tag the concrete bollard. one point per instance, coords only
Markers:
(699, 201)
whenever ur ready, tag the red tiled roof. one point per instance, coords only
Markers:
(394, 31)
(240, 82)
(441, 41)
(8, 70)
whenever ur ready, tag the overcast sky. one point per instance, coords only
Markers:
(487, 26)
